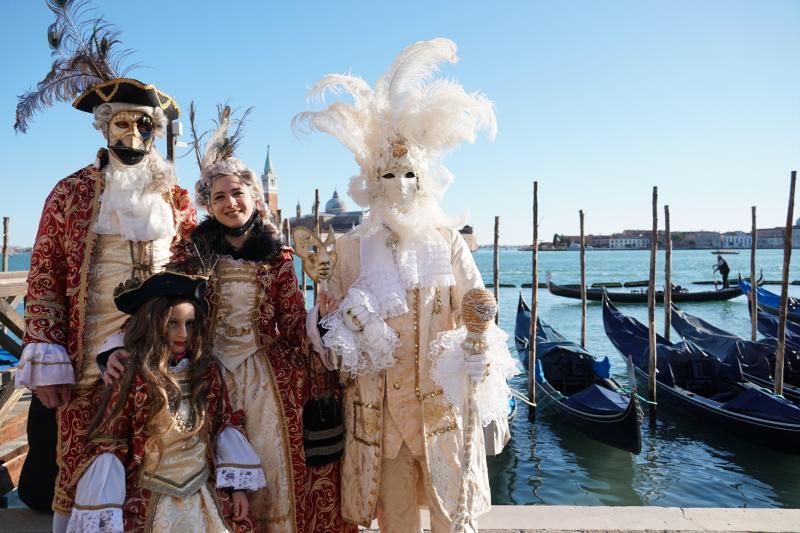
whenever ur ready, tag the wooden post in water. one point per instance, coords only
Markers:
(317, 233)
(534, 303)
(496, 265)
(6, 220)
(787, 256)
(651, 311)
(667, 275)
(583, 283)
(753, 283)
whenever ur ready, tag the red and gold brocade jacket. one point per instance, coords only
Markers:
(57, 281)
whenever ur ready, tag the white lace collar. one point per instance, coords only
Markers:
(389, 267)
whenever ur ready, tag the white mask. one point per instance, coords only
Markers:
(399, 186)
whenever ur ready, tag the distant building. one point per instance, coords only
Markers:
(469, 236)
(335, 215)
(737, 239)
(269, 182)
(629, 240)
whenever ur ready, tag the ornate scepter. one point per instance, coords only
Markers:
(478, 309)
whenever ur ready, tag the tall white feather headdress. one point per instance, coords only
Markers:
(409, 117)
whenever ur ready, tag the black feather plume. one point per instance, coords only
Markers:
(85, 52)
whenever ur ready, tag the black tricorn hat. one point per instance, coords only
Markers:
(134, 293)
(128, 91)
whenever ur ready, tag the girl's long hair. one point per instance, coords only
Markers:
(150, 354)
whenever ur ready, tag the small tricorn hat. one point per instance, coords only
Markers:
(134, 293)
(127, 91)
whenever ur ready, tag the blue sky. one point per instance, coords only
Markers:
(598, 101)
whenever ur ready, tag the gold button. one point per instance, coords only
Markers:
(396, 385)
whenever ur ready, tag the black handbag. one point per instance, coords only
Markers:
(323, 429)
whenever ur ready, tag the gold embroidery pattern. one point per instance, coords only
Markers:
(437, 301)
(366, 416)
(416, 343)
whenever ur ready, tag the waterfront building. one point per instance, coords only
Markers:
(737, 239)
(629, 240)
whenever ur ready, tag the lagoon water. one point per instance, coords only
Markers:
(683, 462)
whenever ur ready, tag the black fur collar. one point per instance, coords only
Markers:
(259, 246)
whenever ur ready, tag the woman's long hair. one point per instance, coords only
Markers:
(150, 354)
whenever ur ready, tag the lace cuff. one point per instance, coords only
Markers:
(99, 497)
(363, 352)
(448, 371)
(237, 464)
(44, 364)
(238, 478)
(108, 520)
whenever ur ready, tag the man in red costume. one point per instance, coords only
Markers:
(118, 218)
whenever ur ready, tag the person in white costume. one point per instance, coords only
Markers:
(400, 279)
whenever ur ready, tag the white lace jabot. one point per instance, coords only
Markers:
(389, 267)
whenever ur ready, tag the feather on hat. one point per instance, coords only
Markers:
(89, 65)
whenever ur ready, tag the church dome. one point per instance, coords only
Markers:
(335, 205)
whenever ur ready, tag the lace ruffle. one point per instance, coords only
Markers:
(44, 364)
(95, 521)
(386, 273)
(448, 371)
(250, 479)
(365, 352)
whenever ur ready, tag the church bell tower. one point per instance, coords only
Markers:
(269, 182)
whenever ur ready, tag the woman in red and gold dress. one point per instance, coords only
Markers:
(258, 333)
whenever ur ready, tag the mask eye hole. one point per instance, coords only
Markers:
(122, 124)
(145, 126)
(410, 175)
(388, 176)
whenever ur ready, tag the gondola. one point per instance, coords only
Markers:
(767, 325)
(757, 358)
(770, 302)
(679, 295)
(701, 385)
(579, 387)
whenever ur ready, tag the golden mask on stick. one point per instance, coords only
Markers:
(318, 257)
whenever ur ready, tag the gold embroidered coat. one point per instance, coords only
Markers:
(402, 404)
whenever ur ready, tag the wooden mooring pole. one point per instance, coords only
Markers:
(787, 256)
(6, 220)
(317, 233)
(651, 311)
(753, 283)
(667, 275)
(534, 303)
(496, 267)
(583, 283)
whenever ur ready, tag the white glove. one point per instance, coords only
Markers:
(356, 317)
(477, 367)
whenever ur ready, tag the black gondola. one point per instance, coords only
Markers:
(701, 385)
(757, 358)
(640, 295)
(579, 387)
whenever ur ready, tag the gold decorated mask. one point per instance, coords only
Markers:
(131, 135)
(318, 257)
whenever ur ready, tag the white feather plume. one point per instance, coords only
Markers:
(431, 116)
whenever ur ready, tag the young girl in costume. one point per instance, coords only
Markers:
(168, 449)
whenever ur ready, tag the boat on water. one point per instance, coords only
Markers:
(770, 302)
(679, 295)
(724, 252)
(578, 386)
(697, 383)
(757, 358)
